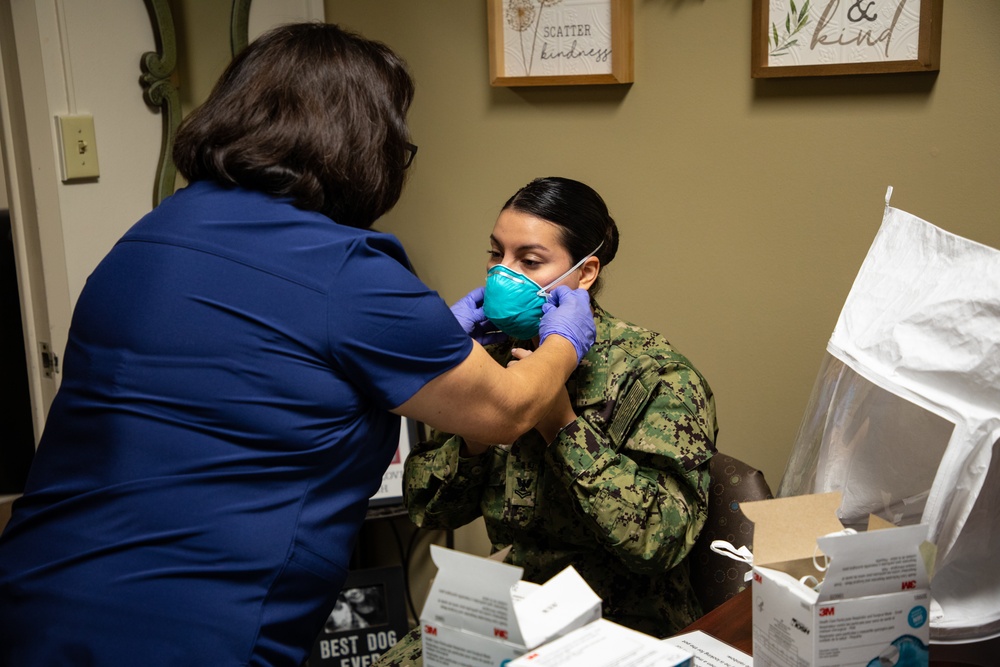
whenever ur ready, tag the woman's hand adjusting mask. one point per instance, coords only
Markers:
(568, 314)
(469, 312)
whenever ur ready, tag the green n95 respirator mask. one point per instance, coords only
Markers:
(513, 301)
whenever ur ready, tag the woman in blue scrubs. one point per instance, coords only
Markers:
(233, 376)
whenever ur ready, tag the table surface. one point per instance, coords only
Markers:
(732, 622)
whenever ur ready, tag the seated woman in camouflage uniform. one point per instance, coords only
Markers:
(614, 481)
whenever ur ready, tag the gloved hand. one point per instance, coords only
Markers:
(568, 315)
(469, 312)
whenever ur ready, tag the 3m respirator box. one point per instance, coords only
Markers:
(479, 613)
(826, 597)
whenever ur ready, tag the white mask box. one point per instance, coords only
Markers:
(479, 613)
(826, 597)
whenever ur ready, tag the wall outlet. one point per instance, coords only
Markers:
(78, 147)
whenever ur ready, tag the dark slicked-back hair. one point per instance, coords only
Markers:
(579, 212)
(308, 111)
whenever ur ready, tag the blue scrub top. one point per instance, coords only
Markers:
(221, 423)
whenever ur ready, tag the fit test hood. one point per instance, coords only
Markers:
(904, 418)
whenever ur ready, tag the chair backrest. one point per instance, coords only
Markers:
(716, 578)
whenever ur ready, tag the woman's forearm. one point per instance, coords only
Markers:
(488, 403)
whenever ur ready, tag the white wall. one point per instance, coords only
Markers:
(102, 42)
(79, 57)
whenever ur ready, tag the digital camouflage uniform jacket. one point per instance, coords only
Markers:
(621, 494)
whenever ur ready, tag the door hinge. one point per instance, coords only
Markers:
(50, 360)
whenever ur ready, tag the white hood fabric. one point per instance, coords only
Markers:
(904, 418)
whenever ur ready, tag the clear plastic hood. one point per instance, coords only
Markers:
(904, 418)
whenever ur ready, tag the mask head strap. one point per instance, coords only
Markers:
(545, 290)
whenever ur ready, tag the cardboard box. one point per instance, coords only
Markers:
(479, 613)
(605, 644)
(869, 608)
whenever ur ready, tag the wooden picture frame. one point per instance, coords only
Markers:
(368, 618)
(833, 37)
(560, 42)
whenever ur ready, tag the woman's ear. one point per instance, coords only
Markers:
(589, 271)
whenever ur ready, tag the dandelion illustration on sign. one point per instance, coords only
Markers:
(522, 16)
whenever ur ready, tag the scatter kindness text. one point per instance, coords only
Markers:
(574, 52)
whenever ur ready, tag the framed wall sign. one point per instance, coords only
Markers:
(824, 37)
(559, 42)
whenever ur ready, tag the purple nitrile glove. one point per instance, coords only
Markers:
(469, 312)
(568, 315)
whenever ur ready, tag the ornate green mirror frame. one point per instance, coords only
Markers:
(159, 91)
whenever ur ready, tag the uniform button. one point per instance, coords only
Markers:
(476, 470)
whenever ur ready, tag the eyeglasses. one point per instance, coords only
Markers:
(411, 152)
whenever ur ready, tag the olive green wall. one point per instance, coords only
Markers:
(203, 47)
(745, 206)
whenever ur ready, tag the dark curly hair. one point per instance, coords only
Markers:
(308, 111)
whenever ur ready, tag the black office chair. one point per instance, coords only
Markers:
(715, 577)
(981, 653)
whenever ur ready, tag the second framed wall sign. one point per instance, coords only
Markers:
(824, 37)
(560, 42)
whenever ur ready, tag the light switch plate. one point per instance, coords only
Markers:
(78, 147)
